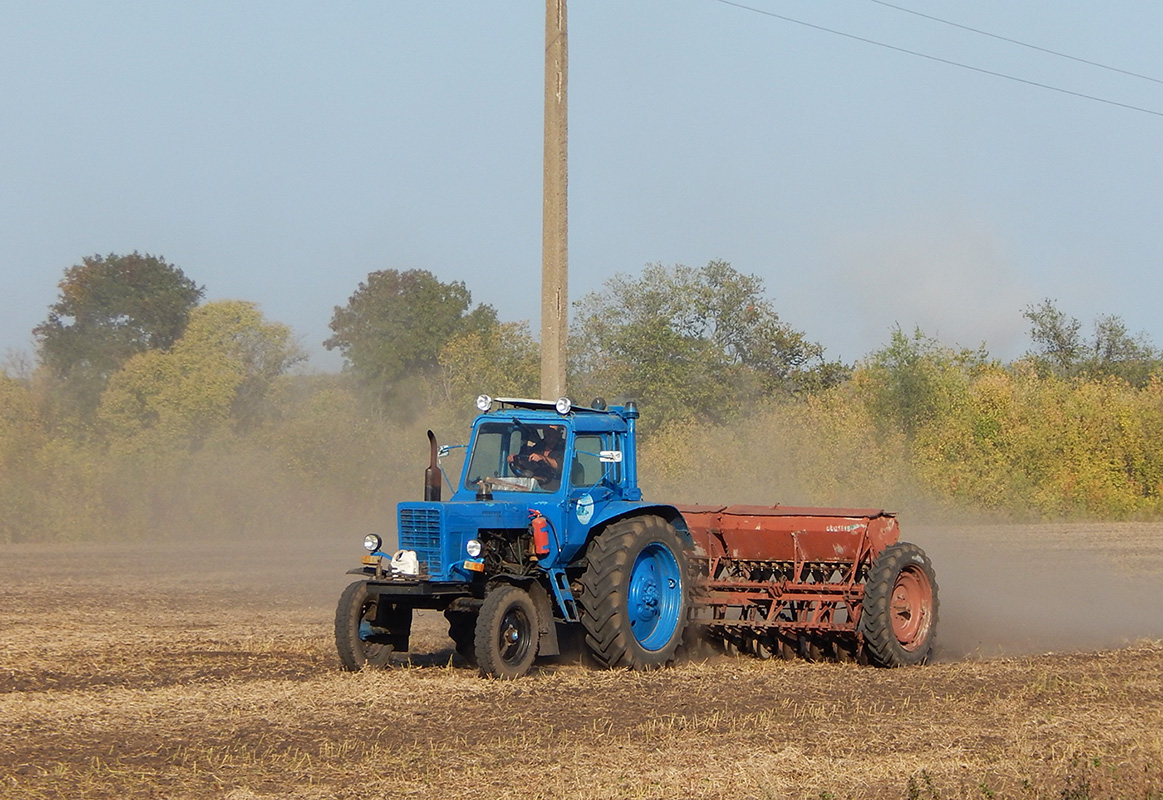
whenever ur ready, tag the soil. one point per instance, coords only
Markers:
(208, 670)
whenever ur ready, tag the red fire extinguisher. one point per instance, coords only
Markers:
(540, 527)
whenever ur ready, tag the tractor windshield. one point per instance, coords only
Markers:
(517, 457)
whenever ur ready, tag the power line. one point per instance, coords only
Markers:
(1017, 42)
(940, 60)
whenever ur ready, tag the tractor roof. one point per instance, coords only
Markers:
(583, 418)
(543, 405)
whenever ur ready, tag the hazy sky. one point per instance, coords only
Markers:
(280, 151)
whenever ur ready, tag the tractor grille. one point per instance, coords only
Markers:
(420, 531)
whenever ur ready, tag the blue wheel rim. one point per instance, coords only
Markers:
(655, 597)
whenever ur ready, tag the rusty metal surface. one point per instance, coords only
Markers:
(783, 511)
(779, 576)
(781, 533)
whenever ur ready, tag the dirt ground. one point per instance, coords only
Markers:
(207, 670)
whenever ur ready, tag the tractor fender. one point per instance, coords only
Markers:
(621, 510)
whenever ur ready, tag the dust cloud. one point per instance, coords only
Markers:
(1029, 589)
(1005, 590)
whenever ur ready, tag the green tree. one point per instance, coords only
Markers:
(502, 359)
(1111, 351)
(1115, 352)
(110, 309)
(217, 373)
(1057, 338)
(261, 349)
(690, 342)
(914, 380)
(396, 324)
(22, 436)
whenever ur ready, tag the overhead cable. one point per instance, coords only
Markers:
(941, 60)
(1017, 42)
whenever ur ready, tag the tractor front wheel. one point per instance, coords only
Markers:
(636, 593)
(506, 633)
(356, 640)
(899, 620)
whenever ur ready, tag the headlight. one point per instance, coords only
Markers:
(372, 543)
(563, 405)
(484, 402)
(473, 548)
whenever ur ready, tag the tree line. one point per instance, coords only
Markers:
(148, 411)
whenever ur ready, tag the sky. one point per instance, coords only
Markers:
(278, 152)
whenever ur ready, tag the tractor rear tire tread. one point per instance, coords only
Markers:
(604, 599)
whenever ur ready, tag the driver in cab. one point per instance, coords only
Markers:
(541, 459)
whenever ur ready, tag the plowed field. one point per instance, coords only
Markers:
(208, 671)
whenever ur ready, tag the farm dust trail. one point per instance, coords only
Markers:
(1021, 589)
(1004, 589)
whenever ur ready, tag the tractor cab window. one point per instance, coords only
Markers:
(517, 457)
(588, 465)
(586, 469)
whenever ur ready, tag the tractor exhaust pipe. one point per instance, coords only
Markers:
(432, 473)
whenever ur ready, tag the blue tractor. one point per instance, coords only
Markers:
(546, 527)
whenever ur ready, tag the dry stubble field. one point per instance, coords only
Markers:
(208, 672)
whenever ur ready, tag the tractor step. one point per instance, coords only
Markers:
(563, 594)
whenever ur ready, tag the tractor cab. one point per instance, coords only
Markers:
(543, 448)
(570, 465)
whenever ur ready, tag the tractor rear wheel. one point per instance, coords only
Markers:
(358, 643)
(506, 633)
(899, 620)
(636, 593)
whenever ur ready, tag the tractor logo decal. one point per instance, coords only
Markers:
(585, 509)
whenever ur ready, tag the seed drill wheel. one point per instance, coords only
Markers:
(759, 645)
(848, 651)
(355, 639)
(899, 620)
(506, 633)
(789, 647)
(636, 593)
(819, 649)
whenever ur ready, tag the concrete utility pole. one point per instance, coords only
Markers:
(554, 219)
